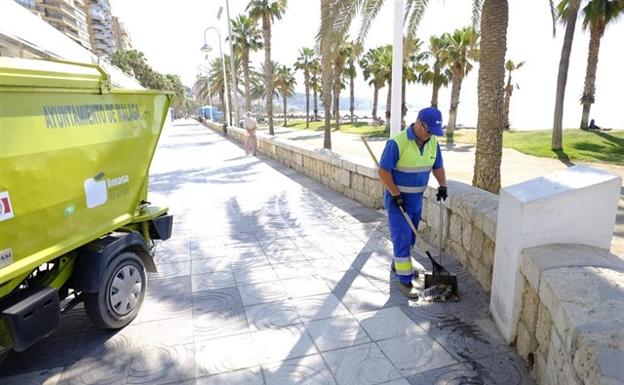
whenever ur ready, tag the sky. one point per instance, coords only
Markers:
(172, 33)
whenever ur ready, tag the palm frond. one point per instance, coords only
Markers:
(477, 5)
(553, 14)
(416, 16)
(369, 12)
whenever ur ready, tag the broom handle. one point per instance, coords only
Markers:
(407, 218)
(441, 230)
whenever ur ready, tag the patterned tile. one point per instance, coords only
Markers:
(262, 292)
(319, 306)
(255, 275)
(274, 345)
(171, 270)
(95, 371)
(271, 315)
(305, 286)
(209, 265)
(215, 300)
(162, 365)
(222, 355)
(415, 352)
(40, 377)
(309, 370)
(360, 365)
(220, 323)
(337, 332)
(252, 376)
(387, 323)
(214, 280)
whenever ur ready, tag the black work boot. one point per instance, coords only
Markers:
(408, 290)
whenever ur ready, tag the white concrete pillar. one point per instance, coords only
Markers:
(397, 68)
(577, 205)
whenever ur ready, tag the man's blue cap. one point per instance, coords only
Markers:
(432, 117)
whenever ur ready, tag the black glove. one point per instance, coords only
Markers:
(398, 201)
(441, 195)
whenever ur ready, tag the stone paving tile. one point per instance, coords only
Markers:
(305, 286)
(387, 323)
(318, 307)
(360, 365)
(39, 377)
(280, 344)
(271, 315)
(222, 355)
(216, 300)
(337, 332)
(220, 323)
(250, 376)
(214, 280)
(262, 292)
(310, 370)
(251, 275)
(163, 365)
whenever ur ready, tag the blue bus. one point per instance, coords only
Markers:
(210, 113)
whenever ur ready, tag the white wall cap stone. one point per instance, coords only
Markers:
(367, 171)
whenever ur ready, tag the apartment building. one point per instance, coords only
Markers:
(102, 32)
(122, 37)
(69, 17)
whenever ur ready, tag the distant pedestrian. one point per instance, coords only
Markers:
(406, 162)
(250, 127)
(593, 126)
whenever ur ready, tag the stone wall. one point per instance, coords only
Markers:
(469, 213)
(571, 328)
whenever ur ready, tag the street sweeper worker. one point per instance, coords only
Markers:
(406, 162)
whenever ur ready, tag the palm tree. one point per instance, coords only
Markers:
(490, 120)
(412, 67)
(303, 63)
(285, 85)
(568, 10)
(462, 48)
(268, 11)
(315, 84)
(354, 51)
(510, 66)
(246, 38)
(369, 70)
(597, 15)
(437, 74)
(382, 68)
(326, 39)
(340, 52)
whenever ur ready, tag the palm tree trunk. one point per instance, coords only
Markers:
(268, 70)
(562, 77)
(352, 96)
(285, 122)
(375, 98)
(326, 73)
(246, 75)
(337, 98)
(455, 91)
(306, 79)
(494, 20)
(508, 92)
(315, 105)
(434, 94)
(388, 103)
(589, 91)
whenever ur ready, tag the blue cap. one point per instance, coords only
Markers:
(432, 117)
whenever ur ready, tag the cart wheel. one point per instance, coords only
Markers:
(121, 292)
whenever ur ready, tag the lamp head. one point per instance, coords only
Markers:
(206, 48)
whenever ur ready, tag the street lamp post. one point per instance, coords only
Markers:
(206, 48)
(205, 70)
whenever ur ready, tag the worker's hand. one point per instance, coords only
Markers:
(442, 193)
(398, 201)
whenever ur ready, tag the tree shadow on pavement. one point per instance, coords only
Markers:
(563, 157)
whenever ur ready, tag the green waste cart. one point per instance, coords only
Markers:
(75, 224)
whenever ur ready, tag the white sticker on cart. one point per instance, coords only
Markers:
(6, 258)
(95, 191)
(6, 210)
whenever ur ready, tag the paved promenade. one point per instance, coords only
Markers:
(516, 167)
(271, 278)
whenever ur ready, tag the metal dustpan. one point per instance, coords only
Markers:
(440, 285)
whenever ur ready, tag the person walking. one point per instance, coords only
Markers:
(250, 127)
(406, 162)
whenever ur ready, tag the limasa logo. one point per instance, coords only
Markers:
(6, 210)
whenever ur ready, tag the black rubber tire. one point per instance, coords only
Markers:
(99, 307)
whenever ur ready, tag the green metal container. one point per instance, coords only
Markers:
(74, 160)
